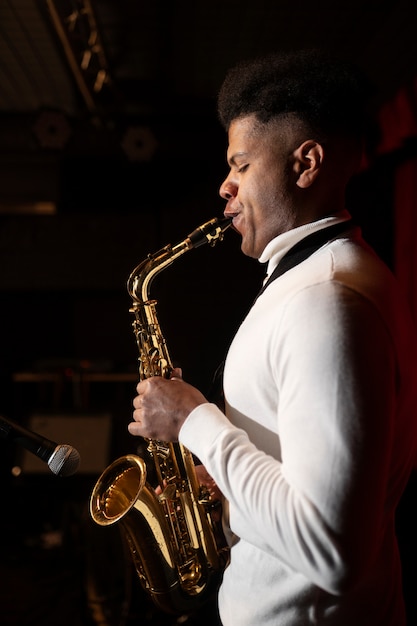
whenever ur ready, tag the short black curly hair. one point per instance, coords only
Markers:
(331, 96)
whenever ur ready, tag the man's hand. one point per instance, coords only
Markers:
(162, 406)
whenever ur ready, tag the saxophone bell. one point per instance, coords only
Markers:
(180, 583)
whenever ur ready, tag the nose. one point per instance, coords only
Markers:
(228, 189)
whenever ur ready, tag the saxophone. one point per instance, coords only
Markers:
(177, 548)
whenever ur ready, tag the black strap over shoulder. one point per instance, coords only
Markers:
(304, 248)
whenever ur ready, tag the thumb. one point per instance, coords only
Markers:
(176, 373)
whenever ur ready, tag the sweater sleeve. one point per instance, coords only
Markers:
(320, 506)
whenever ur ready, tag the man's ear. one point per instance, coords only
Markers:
(308, 159)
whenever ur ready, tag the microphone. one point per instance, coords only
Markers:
(62, 459)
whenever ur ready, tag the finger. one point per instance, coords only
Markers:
(141, 386)
(137, 402)
(134, 429)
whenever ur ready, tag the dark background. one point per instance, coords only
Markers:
(109, 149)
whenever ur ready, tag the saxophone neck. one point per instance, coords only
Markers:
(140, 279)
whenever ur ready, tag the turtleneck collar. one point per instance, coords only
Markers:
(277, 247)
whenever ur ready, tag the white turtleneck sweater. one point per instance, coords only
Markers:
(317, 443)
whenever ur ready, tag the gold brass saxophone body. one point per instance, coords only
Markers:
(177, 549)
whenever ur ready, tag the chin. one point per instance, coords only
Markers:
(247, 251)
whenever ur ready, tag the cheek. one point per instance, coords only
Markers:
(264, 197)
(266, 205)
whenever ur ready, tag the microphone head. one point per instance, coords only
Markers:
(64, 460)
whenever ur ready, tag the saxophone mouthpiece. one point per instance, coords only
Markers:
(211, 232)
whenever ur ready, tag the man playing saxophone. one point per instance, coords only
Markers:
(318, 436)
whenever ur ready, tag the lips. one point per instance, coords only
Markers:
(237, 222)
(231, 214)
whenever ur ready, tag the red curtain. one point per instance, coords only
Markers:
(405, 220)
(398, 127)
